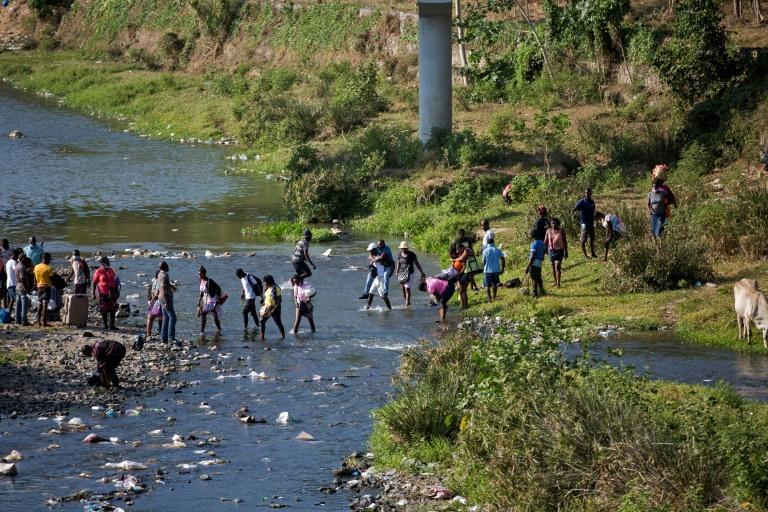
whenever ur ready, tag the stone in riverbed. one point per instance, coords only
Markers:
(305, 436)
(14, 456)
(8, 469)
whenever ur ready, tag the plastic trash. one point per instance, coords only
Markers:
(111, 413)
(8, 469)
(14, 456)
(126, 465)
(257, 376)
(283, 418)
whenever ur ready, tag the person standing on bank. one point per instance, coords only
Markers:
(488, 233)
(273, 306)
(43, 282)
(586, 209)
(542, 224)
(301, 257)
(11, 280)
(252, 289)
(34, 251)
(494, 265)
(209, 302)
(25, 284)
(557, 246)
(81, 274)
(535, 262)
(106, 282)
(165, 292)
(407, 262)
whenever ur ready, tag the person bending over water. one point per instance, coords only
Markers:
(302, 298)
(273, 306)
(210, 301)
(108, 355)
(441, 292)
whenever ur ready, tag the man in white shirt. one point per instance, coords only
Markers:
(251, 288)
(11, 280)
(489, 234)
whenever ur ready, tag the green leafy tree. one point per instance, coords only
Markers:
(546, 132)
(696, 64)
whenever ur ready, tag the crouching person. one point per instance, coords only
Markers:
(108, 355)
(440, 292)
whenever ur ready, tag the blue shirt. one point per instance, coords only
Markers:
(35, 253)
(586, 208)
(492, 259)
(538, 249)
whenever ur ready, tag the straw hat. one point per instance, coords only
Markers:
(404, 245)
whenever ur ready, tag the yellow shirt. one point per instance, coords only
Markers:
(270, 297)
(43, 274)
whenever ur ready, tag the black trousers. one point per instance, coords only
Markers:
(276, 317)
(249, 308)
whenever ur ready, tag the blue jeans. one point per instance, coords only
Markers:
(22, 308)
(372, 277)
(168, 329)
(657, 224)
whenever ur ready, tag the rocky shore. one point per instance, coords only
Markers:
(48, 374)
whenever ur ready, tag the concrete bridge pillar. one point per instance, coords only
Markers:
(435, 73)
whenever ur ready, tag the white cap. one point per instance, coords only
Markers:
(372, 246)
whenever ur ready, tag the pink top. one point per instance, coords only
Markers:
(553, 239)
(436, 286)
(104, 279)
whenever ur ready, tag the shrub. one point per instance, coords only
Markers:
(640, 263)
(398, 145)
(269, 118)
(464, 149)
(356, 99)
(685, 177)
(50, 10)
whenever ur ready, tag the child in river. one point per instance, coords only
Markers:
(302, 297)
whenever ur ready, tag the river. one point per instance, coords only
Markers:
(79, 182)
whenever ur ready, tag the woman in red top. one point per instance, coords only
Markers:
(105, 281)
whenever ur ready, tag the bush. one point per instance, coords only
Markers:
(269, 118)
(639, 263)
(50, 10)
(464, 149)
(398, 145)
(356, 99)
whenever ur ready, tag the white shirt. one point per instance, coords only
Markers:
(247, 287)
(10, 269)
(489, 235)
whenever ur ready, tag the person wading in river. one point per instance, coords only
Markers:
(377, 266)
(302, 298)
(210, 301)
(273, 306)
(253, 289)
(43, 282)
(407, 263)
(108, 356)
(165, 293)
(106, 282)
(301, 257)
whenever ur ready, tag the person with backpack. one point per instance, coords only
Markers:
(106, 282)
(302, 297)
(253, 288)
(273, 306)
(165, 292)
(557, 247)
(210, 301)
(81, 274)
(407, 263)
(614, 229)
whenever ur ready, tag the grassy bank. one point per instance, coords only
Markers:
(511, 425)
(172, 106)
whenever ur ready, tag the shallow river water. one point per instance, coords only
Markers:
(76, 182)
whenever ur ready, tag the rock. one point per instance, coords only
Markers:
(93, 438)
(52, 446)
(16, 134)
(123, 310)
(711, 285)
(283, 418)
(327, 490)
(251, 420)
(87, 334)
(14, 456)
(126, 465)
(304, 436)
(8, 469)
(204, 476)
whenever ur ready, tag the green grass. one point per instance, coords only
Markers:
(14, 355)
(170, 106)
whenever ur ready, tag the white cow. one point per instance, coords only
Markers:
(751, 306)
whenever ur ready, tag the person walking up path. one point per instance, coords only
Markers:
(586, 209)
(557, 246)
(614, 230)
(43, 281)
(494, 264)
(301, 257)
(657, 207)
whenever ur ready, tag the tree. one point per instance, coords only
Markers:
(696, 64)
(217, 19)
(756, 8)
(546, 132)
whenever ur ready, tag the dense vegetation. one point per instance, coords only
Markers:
(513, 424)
